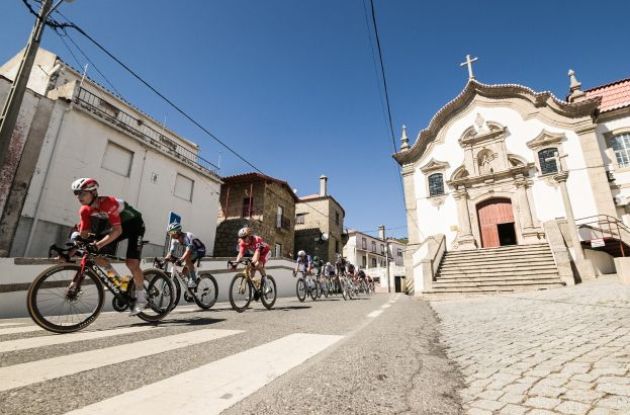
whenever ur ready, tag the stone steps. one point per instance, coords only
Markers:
(496, 270)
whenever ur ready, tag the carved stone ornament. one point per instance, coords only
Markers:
(545, 138)
(434, 165)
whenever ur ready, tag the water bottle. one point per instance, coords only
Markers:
(124, 282)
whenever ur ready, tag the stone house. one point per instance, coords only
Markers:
(265, 203)
(69, 127)
(316, 215)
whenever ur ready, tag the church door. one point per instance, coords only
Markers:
(496, 223)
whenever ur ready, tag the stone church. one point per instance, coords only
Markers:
(512, 189)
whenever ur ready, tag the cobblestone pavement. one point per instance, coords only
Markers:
(562, 351)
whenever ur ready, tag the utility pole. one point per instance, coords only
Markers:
(12, 105)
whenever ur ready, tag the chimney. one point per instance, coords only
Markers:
(381, 232)
(323, 185)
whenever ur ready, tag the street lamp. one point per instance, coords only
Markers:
(11, 109)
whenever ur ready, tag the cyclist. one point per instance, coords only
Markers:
(316, 266)
(303, 263)
(126, 223)
(248, 242)
(194, 250)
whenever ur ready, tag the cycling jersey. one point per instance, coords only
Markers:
(304, 262)
(191, 242)
(116, 211)
(256, 243)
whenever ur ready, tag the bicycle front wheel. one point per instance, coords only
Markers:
(55, 306)
(207, 291)
(300, 289)
(269, 293)
(160, 295)
(240, 293)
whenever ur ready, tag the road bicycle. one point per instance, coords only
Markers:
(244, 287)
(204, 294)
(68, 297)
(306, 285)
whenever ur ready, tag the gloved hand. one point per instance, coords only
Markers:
(178, 262)
(92, 248)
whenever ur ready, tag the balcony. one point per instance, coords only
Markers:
(135, 126)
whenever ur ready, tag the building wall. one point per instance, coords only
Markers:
(320, 216)
(354, 252)
(545, 197)
(75, 147)
(266, 199)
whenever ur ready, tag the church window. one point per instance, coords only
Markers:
(621, 146)
(436, 184)
(547, 160)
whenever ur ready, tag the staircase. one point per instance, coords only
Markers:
(496, 270)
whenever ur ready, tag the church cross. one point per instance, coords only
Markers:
(469, 62)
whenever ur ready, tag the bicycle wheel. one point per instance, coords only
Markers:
(240, 292)
(343, 287)
(55, 308)
(269, 292)
(177, 293)
(160, 295)
(314, 291)
(300, 289)
(206, 292)
(350, 290)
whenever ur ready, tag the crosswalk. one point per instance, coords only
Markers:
(225, 382)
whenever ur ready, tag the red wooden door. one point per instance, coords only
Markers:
(492, 213)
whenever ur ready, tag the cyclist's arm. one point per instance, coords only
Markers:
(110, 237)
(187, 254)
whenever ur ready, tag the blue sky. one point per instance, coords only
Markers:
(292, 85)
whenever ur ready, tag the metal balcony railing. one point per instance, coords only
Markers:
(138, 128)
(604, 227)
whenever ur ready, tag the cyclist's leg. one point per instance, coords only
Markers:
(134, 233)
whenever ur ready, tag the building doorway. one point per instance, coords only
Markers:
(398, 281)
(496, 223)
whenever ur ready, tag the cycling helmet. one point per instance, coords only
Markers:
(301, 253)
(84, 183)
(174, 228)
(315, 258)
(244, 232)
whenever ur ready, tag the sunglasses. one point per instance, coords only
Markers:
(78, 192)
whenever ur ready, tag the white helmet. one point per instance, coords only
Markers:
(243, 232)
(301, 253)
(84, 183)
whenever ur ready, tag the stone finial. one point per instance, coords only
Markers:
(404, 140)
(575, 91)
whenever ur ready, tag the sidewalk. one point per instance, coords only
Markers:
(562, 351)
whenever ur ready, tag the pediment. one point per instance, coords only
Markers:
(501, 91)
(545, 138)
(434, 165)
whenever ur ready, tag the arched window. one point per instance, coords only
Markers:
(436, 184)
(621, 146)
(547, 160)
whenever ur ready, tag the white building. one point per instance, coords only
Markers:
(503, 165)
(375, 255)
(83, 130)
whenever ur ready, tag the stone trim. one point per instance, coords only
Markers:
(434, 166)
(546, 139)
(546, 99)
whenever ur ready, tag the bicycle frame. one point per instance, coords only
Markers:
(88, 262)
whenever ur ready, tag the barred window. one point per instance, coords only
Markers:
(621, 147)
(436, 184)
(547, 161)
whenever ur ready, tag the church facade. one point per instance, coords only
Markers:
(499, 162)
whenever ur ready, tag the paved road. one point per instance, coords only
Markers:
(377, 355)
(563, 351)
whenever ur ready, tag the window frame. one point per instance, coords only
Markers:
(125, 149)
(540, 161)
(442, 193)
(612, 139)
(192, 187)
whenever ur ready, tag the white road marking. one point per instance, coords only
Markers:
(16, 330)
(53, 339)
(375, 313)
(211, 388)
(11, 324)
(42, 370)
